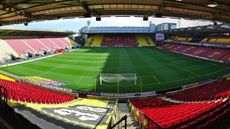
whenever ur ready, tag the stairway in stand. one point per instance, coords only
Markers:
(124, 110)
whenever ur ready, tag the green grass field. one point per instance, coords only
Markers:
(155, 69)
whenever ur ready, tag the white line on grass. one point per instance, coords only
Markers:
(158, 82)
(216, 72)
(49, 70)
(27, 61)
(77, 82)
(186, 70)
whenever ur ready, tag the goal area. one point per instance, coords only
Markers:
(117, 78)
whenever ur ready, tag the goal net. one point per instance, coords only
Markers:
(117, 78)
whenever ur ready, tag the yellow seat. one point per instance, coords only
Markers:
(142, 42)
(6, 78)
(88, 41)
(97, 40)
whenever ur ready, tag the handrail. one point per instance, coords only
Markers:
(124, 118)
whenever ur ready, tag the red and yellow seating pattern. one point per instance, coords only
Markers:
(216, 40)
(4, 77)
(218, 54)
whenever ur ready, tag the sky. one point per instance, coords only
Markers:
(77, 23)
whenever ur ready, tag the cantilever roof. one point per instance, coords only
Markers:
(19, 11)
(12, 33)
(222, 28)
(119, 30)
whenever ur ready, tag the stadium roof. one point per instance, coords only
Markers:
(19, 11)
(103, 30)
(11, 33)
(222, 28)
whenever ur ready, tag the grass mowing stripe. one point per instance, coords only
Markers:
(52, 69)
(186, 70)
(156, 68)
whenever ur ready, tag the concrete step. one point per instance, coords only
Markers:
(124, 110)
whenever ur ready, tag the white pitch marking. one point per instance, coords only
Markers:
(158, 82)
(186, 70)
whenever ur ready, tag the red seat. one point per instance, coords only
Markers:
(20, 91)
(178, 115)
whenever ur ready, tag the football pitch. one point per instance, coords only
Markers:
(155, 69)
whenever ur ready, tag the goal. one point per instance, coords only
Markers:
(117, 78)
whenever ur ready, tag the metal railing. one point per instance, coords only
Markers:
(124, 118)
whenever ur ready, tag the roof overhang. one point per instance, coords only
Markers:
(12, 33)
(21, 11)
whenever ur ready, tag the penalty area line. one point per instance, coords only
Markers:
(158, 82)
(186, 70)
(78, 81)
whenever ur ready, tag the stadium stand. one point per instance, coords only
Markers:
(6, 51)
(62, 42)
(202, 40)
(88, 41)
(116, 41)
(97, 40)
(130, 41)
(180, 39)
(215, 90)
(71, 41)
(35, 46)
(142, 42)
(198, 107)
(20, 46)
(150, 41)
(220, 54)
(119, 41)
(216, 40)
(49, 44)
(20, 91)
(216, 53)
(108, 41)
(226, 57)
(157, 113)
(223, 40)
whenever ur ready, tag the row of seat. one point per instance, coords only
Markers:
(179, 115)
(23, 46)
(142, 42)
(215, 90)
(181, 39)
(96, 41)
(119, 40)
(206, 52)
(199, 107)
(216, 40)
(20, 91)
(206, 40)
(112, 44)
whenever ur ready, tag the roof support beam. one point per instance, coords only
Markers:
(10, 7)
(88, 11)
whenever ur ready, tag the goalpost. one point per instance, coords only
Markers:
(117, 78)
